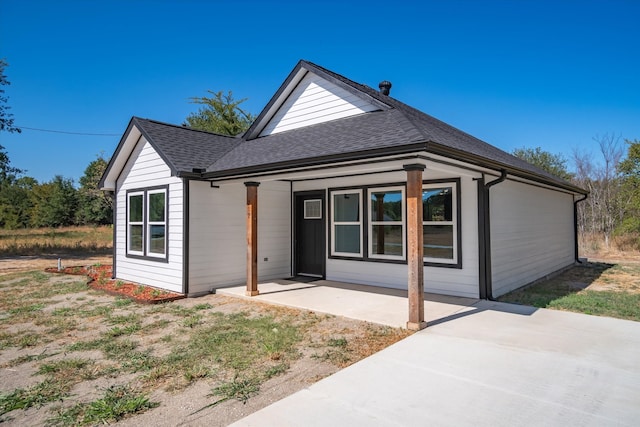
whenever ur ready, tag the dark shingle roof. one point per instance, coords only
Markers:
(443, 134)
(386, 131)
(184, 148)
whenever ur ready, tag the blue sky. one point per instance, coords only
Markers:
(529, 73)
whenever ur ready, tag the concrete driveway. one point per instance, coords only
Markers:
(494, 365)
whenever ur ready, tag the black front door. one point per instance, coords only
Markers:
(310, 233)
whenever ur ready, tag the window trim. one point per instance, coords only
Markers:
(149, 223)
(304, 214)
(146, 224)
(365, 237)
(402, 223)
(349, 255)
(456, 262)
(130, 223)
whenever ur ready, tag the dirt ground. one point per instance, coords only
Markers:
(179, 407)
(611, 271)
(19, 264)
(19, 364)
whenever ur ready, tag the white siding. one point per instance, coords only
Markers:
(217, 234)
(531, 234)
(442, 280)
(145, 168)
(313, 101)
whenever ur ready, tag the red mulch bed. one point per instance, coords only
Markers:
(100, 279)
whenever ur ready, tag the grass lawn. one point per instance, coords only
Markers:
(598, 288)
(74, 356)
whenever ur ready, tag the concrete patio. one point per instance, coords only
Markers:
(369, 303)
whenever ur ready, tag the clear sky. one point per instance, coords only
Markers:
(520, 73)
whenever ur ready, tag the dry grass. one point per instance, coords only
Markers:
(620, 247)
(70, 240)
(61, 344)
(610, 288)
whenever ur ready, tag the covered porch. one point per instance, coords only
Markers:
(312, 233)
(374, 304)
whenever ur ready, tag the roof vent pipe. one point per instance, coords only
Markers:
(385, 87)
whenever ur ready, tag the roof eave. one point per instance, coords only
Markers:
(316, 161)
(498, 166)
(125, 146)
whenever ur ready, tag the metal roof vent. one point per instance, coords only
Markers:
(385, 87)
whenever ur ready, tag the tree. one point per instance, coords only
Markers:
(220, 114)
(629, 169)
(16, 203)
(54, 203)
(555, 164)
(6, 118)
(94, 207)
(604, 209)
(7, 172)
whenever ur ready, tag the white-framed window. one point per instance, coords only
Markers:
(346, 223)
(147, 223)
(440, 222)
(313, 209)
(387, 238)
(157, 223)
(135, 223)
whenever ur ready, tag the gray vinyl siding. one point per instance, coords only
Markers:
(531, 234)
(315, 100)
(217, 234)
(144, 169)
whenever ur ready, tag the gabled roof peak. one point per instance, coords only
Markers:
(135, 118)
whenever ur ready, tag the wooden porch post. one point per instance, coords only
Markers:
(252, 238)
(415, 248)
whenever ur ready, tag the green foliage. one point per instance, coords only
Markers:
(16, 202)
(555, 164)
(220, 114)
(118, 402)
(6, 118)
(94, 206)
(47, 391)
(629, 168)
(55, 203)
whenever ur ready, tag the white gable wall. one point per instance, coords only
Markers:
(217, 234)
(145, 168)
(532, 234)
(315, 100)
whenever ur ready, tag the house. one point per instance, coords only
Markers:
(352, 185)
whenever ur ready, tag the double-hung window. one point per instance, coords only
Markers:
(386, 223)
(147, 223)
(346, 223)
(135, 227)
(440, 223)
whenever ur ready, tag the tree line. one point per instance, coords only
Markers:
(612, 177)
(25, 202)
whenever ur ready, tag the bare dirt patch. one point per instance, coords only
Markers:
(22, 263)
(200, 361)
(609, 271)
